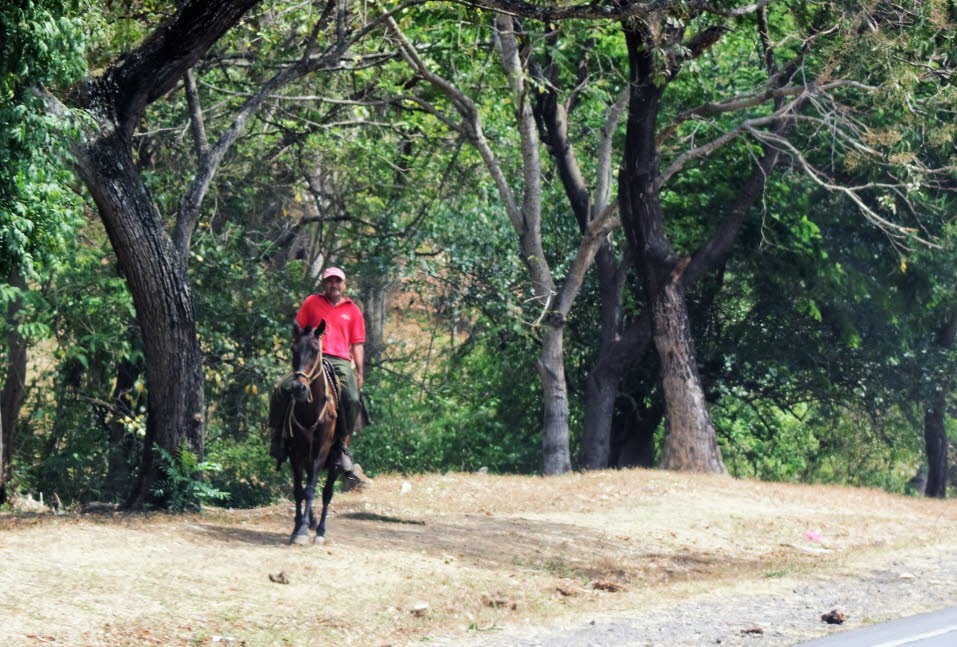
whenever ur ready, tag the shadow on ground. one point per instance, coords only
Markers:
(513, 544)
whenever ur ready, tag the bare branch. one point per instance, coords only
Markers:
(894, 231)
(745, 101)
(715, 144)
(603, 167)
(200, 142)
(530, 234)
(472, 125)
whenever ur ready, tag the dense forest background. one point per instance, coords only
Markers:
(691, 235)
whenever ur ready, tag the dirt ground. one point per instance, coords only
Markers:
(441, 558)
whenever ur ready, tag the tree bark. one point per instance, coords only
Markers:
(691, 440)
(14, 386)
(551, 366)
(935, 431)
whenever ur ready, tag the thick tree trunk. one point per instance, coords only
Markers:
(601, 386)
(14, 386)
(690, 439)
(164, 309)
(690, 442)
(551, 366)
(935, 441)
(935, 431)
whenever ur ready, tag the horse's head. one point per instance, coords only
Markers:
(306, 358)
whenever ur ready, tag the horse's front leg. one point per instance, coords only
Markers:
(308, 520)
(300, 531)
(326, 498)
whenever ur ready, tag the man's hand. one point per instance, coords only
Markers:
(358, 358)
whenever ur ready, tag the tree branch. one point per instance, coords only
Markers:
(472, 126)
(596, 11)
(718, 142)
(209, 164)
(530, 234)
(150, 71)
(593, 238)
(745, 101)
(893, 230)
(200, 142)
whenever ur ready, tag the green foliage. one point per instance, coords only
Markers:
(480, 411)
(246, 473)
(41, 47)
(180, 485)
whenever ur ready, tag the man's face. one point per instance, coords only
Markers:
(333, 286)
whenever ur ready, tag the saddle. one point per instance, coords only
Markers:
(334, 381)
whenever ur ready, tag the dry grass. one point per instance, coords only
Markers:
(481, 551)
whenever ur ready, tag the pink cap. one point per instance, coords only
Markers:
(334, 271)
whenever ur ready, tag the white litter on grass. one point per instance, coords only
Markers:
(406, 487)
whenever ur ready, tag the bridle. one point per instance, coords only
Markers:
(311, 376)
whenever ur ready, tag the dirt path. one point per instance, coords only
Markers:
(461, 559)
(912, 582)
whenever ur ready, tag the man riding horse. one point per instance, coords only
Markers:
(343, 346)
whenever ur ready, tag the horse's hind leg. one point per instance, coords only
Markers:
(326, 498)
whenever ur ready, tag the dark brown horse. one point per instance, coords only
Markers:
(309, 431)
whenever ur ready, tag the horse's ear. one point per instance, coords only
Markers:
(296, 329)
(321, 328)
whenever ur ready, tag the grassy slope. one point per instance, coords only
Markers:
(482, 551)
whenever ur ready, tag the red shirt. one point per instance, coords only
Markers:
(344, 323)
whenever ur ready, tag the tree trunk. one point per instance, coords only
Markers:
(374, 297)
(935, 431)
(601, 386)
(14, 386)
(691, 441)
(164, 309)
(551, 366)
(935, 440)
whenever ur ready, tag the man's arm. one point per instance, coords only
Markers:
(358, 356)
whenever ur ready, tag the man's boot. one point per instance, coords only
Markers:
(344, 463)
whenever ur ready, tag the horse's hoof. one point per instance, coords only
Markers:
(320, 540)
(301, 540)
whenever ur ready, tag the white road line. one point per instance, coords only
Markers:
(913, 639)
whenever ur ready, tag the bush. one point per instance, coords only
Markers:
(180, 486)
(247, 473)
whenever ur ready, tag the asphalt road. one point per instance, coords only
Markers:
(935, 629)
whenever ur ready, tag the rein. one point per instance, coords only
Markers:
(310, 377)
